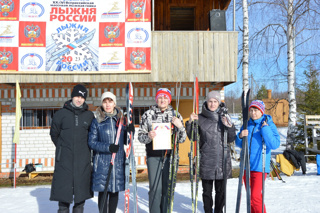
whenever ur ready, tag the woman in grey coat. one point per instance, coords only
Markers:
(211, 129)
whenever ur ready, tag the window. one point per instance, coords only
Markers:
(137, 113)
(182, 18)
(37, 118)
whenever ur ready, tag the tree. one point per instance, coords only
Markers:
(309, 92)
(308, 98)
(245, 58)
(262, 93)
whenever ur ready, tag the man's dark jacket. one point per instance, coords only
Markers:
(211, 131)
(72, 172)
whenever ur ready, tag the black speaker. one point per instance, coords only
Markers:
(217, 20)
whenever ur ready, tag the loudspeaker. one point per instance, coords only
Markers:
(217, 20)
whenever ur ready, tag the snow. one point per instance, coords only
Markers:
(299, 193)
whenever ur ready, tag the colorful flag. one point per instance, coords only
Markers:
(18, 114)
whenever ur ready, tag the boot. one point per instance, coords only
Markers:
(78, 207)
(63, 211)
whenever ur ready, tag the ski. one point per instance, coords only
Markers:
(194, 151)
(174, 158)
(276, 171)
(244, 155)
(111, 166)
(130, 160)
(225, 161)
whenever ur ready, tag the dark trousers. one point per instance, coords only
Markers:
(111, 202)
(77, 208)
(158, 184)
(219, 202)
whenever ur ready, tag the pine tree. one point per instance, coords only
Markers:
(262, 93)
(308, 96)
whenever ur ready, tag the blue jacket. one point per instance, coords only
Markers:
(102, 133)
(271, 138)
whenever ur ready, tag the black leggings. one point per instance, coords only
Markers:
(111, 202)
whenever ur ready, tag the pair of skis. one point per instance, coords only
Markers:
(130, 159)
(174, 158)
(244, 156)
(194, 154)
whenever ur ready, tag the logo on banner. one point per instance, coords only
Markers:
(137, 35)
(114, 12)
(5, 36)
(31, 61)
(137, 58)
(113, 63)
(111, 33)
(137, 7)
(6, 7)
(32, 32)
(6, 58)
(72, 49)
(32, 10)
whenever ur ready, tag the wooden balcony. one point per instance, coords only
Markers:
(176, 56)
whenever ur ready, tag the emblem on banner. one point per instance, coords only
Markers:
(113, 63)
(138, 35)
(32, 10)
(5, 36)
(137, 7)
(138, 58)
(114, 12)
(6, 58)
(6, 6)
(111, 33)
(31, 61)
(32, 32)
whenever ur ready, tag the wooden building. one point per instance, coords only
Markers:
(182, 47)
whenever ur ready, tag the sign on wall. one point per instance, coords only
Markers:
(72, 36)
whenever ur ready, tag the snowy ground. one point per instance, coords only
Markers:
(299, 193)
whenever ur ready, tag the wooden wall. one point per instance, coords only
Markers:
(202, 8)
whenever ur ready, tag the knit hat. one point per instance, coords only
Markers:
(109, 95)
(258, 104)
(164, 92)
(214, 94)
(79, 90)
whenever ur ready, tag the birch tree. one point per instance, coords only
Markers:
(294, 19)
(245, 57)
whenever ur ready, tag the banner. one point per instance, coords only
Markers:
(75, 36)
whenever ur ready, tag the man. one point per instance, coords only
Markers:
(158, 160)
(72, 172)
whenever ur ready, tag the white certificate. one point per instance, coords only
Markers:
(162, 140)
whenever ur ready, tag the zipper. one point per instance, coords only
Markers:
(113, 168)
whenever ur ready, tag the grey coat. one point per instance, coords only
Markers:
(211, 131)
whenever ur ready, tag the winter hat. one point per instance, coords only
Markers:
(79, 90)
(258, 104)
(164, 92)
(214, 94)
(109, 95)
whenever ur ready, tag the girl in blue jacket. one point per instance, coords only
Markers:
(102, 138)
(260, 129)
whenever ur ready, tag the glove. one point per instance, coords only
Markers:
(113, 148)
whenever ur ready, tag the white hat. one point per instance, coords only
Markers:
(109, 95)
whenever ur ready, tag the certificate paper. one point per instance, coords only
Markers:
(163, 136)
